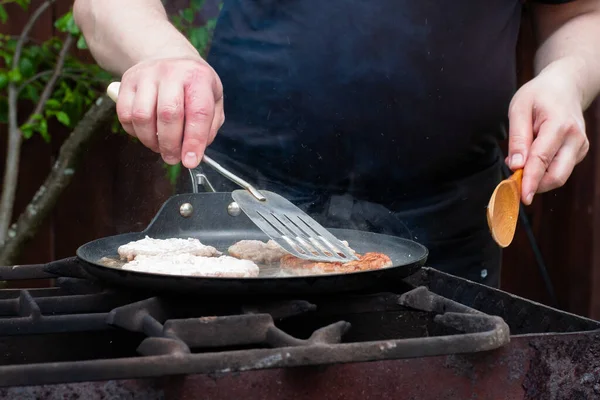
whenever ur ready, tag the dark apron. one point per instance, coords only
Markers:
(377, 115)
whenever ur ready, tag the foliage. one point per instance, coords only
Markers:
(80, 83)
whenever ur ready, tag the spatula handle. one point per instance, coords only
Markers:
(234, 178)
(113, 92)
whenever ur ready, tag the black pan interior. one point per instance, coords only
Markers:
(213, 225)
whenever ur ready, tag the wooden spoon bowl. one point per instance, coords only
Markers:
(503, 209)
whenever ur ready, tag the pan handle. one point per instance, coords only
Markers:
(200, 179)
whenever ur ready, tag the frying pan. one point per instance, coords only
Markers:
(214, 219)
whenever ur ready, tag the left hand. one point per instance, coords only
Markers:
(547, 132)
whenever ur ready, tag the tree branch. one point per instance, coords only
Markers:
(15, 137)
(41, 205)
(72, 73)
(49, 88)
(34, 78)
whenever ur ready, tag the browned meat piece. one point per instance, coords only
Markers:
(366, 262)
(260, 252)
(257, 251)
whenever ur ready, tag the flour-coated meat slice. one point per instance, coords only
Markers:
(366, 262)
(257, 251)
(151, 247)
(186, 264)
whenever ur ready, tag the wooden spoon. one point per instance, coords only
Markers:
(503, 209)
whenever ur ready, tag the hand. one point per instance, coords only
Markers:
(173, 106)
(547, 132)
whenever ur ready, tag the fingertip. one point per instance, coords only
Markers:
(170, 159)
(528, 188)
(516, 161)
(190, 160)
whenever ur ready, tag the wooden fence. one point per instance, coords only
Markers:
(120, 185)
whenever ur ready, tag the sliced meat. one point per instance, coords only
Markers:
(152, 247)
(262, 252)
(189, 265)
(111, 262)
(366, 262)
(257, 251)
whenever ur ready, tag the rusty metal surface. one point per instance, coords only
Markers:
(545, 367)
(564, 367)
(486, 376)
(493, 375)
(482, 377)
(105, 390)
(522, 315)
(439, 378)
(168, 355)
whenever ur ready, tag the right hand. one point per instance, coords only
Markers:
(174, 106)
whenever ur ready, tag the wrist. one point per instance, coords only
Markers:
(167, 42)
(569, 72)
(180, 51)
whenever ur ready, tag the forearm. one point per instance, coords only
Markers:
(121, 33)
(571, 45)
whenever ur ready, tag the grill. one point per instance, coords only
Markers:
(434, 337)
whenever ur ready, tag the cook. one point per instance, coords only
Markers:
(374, 115)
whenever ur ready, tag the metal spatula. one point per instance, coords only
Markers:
(286, 224)
(278, 218)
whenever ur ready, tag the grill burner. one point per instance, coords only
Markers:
(80, 334)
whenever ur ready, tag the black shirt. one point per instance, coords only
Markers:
(391, 105)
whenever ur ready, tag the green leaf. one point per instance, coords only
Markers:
(177, 21)
(37, 117)
(211, 24)
(43, 129)
(68, 93)
(6, 56)
(62, 22)
(188, 15)
(3, 79)
(29, 128)
(32, 93)
(26, 67)
(63, 118)
(3, 14)
(53, 103)
(81, 43)
(173, 172)
(199, 38)
(66, 23)
(14, 75)
(116, 126)
(10, 44)
(24, 4)
(197, 4)
(27, 131)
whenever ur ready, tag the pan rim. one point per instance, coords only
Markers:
(418, 261)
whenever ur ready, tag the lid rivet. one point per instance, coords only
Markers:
(186, 210)
(234, 209)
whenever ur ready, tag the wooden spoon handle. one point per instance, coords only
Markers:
(517, 177)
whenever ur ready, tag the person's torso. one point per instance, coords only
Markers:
(364, 95)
